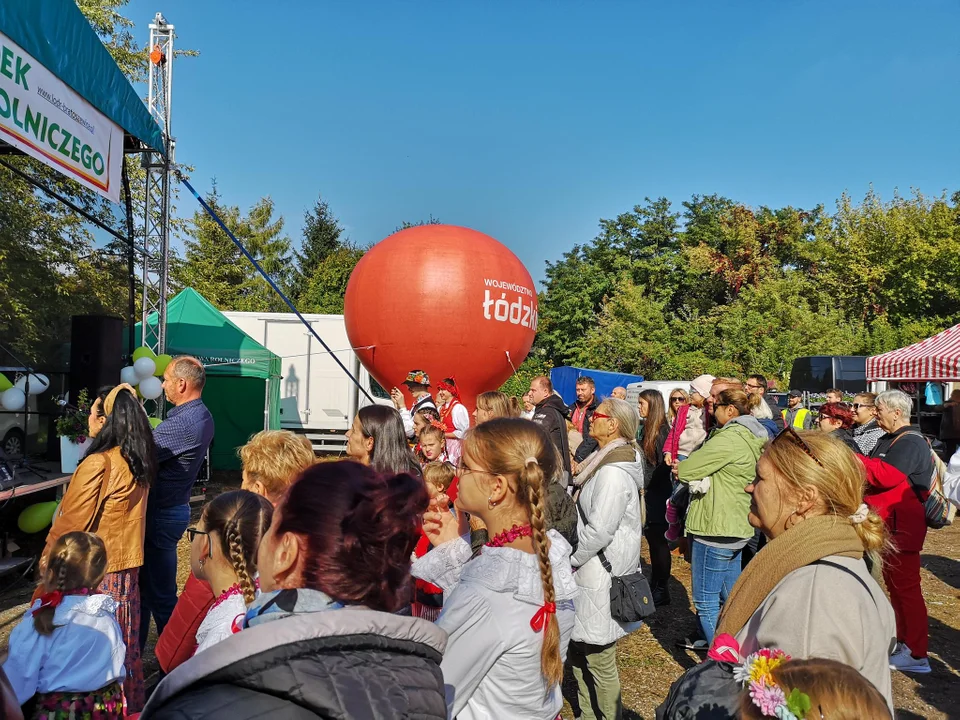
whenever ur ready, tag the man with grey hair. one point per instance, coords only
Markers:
(899, 473)
(620, 393)
(182, 441)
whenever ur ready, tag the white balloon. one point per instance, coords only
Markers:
(13, 399)
(129, 375)
(38, 383)
(151, 387)
(145, 367)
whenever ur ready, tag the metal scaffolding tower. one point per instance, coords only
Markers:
(156, 239)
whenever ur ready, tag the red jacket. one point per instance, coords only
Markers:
(891, 495)
(178, 642)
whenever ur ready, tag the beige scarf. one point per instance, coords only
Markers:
(803, 544)
(598, 458)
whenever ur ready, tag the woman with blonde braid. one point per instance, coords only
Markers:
(509, 611)
(808, 591)
(223, 554)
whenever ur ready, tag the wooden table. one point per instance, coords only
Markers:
(57, 480)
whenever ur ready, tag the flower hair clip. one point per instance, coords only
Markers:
(756, 673)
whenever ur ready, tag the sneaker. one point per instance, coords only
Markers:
(903, 661)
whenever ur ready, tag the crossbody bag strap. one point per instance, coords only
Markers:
(848, 571)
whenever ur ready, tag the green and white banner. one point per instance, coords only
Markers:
(47, 120)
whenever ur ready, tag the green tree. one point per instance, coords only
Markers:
(328, 284)
(322, 235)
(407, 224)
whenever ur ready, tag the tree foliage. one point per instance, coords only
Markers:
(216, 268)
(723, 288)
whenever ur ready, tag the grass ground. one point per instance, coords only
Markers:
(649, 660)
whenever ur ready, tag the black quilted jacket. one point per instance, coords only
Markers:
(348, 664)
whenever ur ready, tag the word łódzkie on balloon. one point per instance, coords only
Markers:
(514, 309)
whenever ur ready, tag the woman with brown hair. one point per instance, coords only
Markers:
(107, 495)
(508, 611)
(808, 591)
(659, 486)
(324, 639)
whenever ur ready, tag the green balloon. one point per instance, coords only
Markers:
(155, 421)
(162, 362)
(5, 384)
(36, 517)
(143, 351)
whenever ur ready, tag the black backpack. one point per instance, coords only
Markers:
(707, 691)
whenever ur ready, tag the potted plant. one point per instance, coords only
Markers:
(72, 427)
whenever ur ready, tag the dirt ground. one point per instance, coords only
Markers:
(649, 661)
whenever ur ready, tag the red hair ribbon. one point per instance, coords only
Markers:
(540, 619)
(53, 599)
(452, 389)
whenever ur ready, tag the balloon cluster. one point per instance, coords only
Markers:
(145, 373)
(13, 396)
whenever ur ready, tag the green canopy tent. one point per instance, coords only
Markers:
(243, 377)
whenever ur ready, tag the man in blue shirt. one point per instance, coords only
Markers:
(182, 441)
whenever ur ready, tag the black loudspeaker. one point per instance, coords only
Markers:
(96, 353)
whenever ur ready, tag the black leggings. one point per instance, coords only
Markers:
(660, 562)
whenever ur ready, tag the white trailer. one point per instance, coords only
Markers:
(317, 398)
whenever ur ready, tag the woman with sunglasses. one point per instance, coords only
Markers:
(678, 398)
(611, 523)
(223, 555)
(808, 591)
(716, 475)
(866, 430)
(837, 418)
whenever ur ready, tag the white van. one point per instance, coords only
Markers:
(664, 387)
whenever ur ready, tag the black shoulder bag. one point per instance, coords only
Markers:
(630, 596)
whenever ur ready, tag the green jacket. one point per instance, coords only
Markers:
(729, 459)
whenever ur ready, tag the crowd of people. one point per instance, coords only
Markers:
(458, 569)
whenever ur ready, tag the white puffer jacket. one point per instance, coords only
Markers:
(611, 502)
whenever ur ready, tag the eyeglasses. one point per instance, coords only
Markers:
(857, 406)
(795, 438)
(463, 470)
(601, 416)
(676, 399)
(192, 533)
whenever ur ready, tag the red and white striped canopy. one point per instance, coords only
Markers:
(936, 358)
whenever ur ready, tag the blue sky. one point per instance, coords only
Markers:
(532, 120)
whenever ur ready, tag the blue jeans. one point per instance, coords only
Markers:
(158, 576)
(714, 570)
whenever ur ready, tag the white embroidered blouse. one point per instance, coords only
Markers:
(222, 619)
(84, 653)
(491, 667)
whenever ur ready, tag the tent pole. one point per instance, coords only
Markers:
(131, 264)
(266, 404)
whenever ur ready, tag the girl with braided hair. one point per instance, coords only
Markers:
(67, 652)
(508, 610)
(223, 554)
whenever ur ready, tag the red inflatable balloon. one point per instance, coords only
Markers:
(444, 299)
